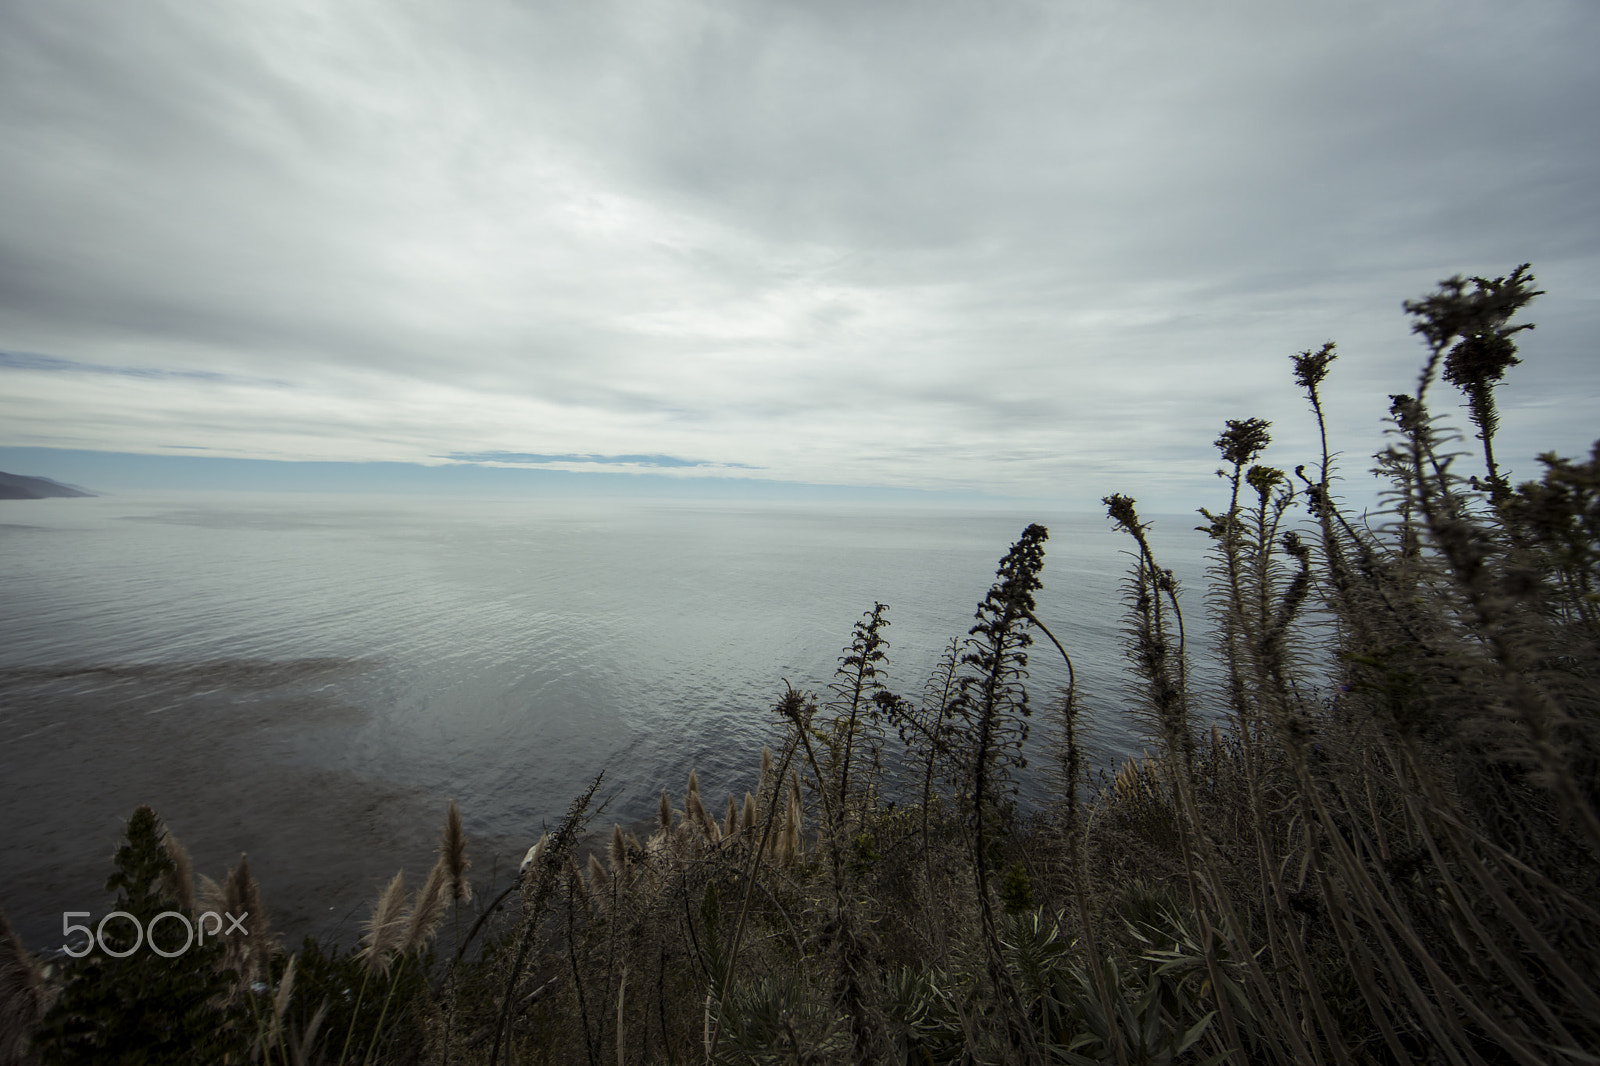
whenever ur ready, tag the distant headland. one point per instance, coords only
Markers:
(21, 487)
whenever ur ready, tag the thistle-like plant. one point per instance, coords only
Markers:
(796, 710)
(1560, 516)
(1241, 441)
(856, 733)
(1155, 637)
(539, 884)
(992, 703)
(1480, 317)
(991, 699)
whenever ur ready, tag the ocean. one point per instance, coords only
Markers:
(309, 678)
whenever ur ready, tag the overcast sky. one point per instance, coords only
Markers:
(1035, 250)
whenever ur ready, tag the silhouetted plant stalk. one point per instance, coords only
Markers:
(796, 711)
(1497, 595)
(1339, 540)
(856, 710)
(574, 891)
(383, 930)
(993, 702)
(1255, 612)
(844, 937)
(1241, 441)
(924, 728)
(1430, 813)
(1408, 604)
(1071, 757)
(1151, 591)
(1480, 318)
(412, 933)
(1254, 615)
(1077, 855)
(1560, 518)
(537, 885)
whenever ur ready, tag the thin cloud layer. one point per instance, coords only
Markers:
(1041, 251)
(564, 461)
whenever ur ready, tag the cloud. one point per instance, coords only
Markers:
(55, 364)
(851, 243)
(531, 459)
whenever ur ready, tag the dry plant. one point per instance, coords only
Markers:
(24, 996)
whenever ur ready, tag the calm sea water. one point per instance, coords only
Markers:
(242, 655)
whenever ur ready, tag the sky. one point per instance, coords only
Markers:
(1035, 251)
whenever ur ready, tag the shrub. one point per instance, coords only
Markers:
(145, 1008)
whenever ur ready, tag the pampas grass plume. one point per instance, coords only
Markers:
(178, 883)
(240, 897)
(427, 908)
(788, 844)
(575, 882)
(693, 809)
(797, 815)
(789, 836)
(533, 856)
(599, 879)
(281, 998)
(383, 928)
(209, 893)
(749, 822)
(617, 851)
(24, 996)
(453, 850)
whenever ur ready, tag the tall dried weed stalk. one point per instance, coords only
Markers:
(1397, 847)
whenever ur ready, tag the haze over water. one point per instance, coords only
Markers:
(309, 678)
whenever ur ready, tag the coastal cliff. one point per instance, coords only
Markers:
(22, 487)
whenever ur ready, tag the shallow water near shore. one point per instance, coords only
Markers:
(309, 678)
